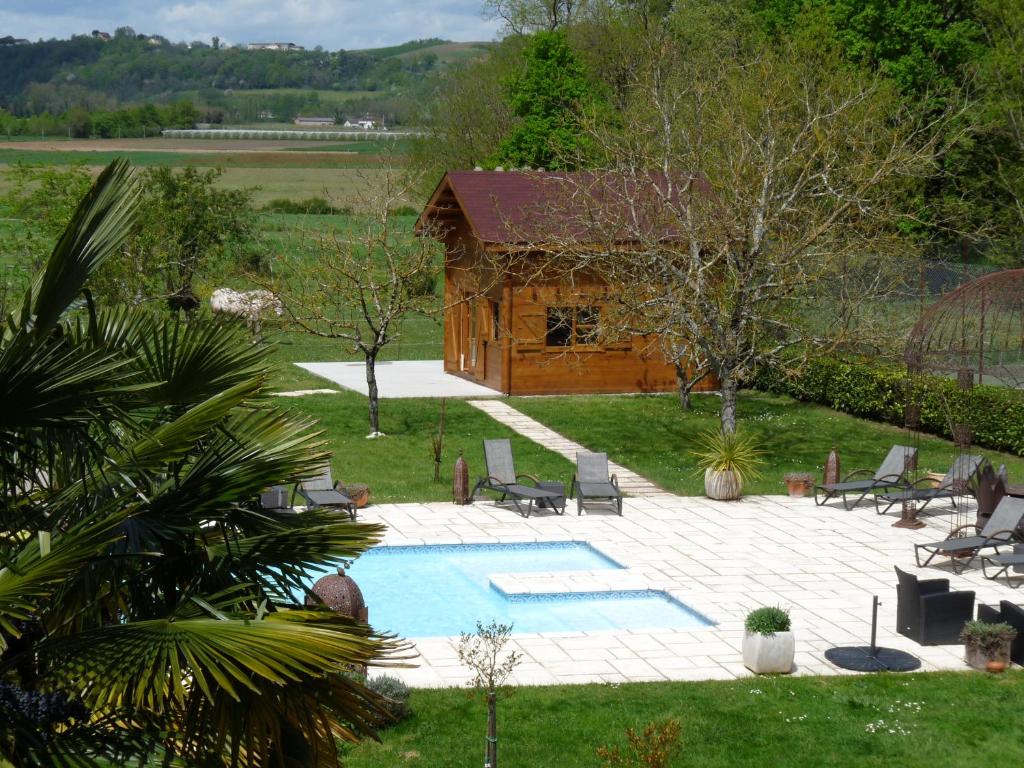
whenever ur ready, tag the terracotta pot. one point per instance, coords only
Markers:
(798, 488)
(769, 654)
(995, 666)
(722, 485)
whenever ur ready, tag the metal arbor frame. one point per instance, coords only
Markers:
(973, 335)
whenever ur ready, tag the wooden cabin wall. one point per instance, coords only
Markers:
(633, 365)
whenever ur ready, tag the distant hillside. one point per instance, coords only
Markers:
(55, 75)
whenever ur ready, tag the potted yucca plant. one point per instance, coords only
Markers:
(768, 643)
(727, 459)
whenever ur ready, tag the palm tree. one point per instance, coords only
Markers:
(147, 605)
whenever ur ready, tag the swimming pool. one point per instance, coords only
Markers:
(442, 590)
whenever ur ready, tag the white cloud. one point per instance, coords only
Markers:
(350, 24)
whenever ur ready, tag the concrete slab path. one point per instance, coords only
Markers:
(400, 378)
(630, 482)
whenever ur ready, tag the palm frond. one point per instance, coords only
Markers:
(100, 225)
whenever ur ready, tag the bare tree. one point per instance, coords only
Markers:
(362, 281)
(482, 653)
(522, 17)
(749, 206)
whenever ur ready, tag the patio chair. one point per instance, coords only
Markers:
(1000, 530)
(928, 613)
(891, 474)
(961, 479)
(276, 499)
(319, 491)
(502, 478)
(1012, 615)
(592, 481)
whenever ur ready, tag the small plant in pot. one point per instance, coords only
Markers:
(768, 644)
(987, 646)
(727, 459)
(798, 483)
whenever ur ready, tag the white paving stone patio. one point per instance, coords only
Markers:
(720, 558)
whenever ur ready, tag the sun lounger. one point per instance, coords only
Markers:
(502, 478)
(319, 491)
(891, 474)
(592, 481)
(960, 480)
(999, 531)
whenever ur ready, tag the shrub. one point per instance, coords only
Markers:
(404, 210)
(654, 747)
(721, 451)
(396, 694)
(878, 391)
(315, 206)
(987, 638)
(768, 620)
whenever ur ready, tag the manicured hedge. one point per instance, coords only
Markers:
(878, 391)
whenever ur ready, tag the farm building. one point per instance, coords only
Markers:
(526, 336)
(313, 121)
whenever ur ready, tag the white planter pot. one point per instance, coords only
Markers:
(766, 654)
(722, 485)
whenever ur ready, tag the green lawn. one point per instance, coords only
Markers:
(400, 467)
(926, 720)
(652, 436)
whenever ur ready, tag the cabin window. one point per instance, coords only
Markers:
(495, 320)
(572, 326)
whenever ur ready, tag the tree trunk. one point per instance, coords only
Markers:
(492, 730)
(728, 410)
(684, 385)
(371, 392)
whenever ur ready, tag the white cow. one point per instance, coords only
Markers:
(247, 305)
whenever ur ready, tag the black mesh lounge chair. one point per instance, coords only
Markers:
(592, 481)
(502, 478)
(962, 479)
(1014, 616)
(319, 491)
(928, 613)
(1000, 530)
(891, 474)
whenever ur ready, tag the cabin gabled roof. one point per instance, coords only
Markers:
(523, 207)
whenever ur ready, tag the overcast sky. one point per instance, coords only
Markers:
(330, 23)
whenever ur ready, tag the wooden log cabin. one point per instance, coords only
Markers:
(525, 336)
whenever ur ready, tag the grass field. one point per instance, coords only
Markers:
(400, 466)
(928, 720)
(653, 436)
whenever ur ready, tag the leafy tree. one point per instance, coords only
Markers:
(142, 588)
(523, 17)
(547, 96)
(187, 227)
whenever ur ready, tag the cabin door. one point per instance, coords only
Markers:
(471, 342)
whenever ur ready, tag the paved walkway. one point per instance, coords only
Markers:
(401, 378)
(630, 482)
(721, 558)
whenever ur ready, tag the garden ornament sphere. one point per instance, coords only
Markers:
(341, 594)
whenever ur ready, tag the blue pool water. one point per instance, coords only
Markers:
(426, 591)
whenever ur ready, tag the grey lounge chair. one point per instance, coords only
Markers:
(891, 474)
(961, 479)
(1000, 530)
(319, 491)
(276, 499)
(592, 481)
(502, 478)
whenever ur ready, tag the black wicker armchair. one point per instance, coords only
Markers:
(928, 613)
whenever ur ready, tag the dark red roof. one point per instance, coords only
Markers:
(518, 207)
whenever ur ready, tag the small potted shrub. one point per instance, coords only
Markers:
(727, 458)
(987, 646)
(798, 483)
(768, 643)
